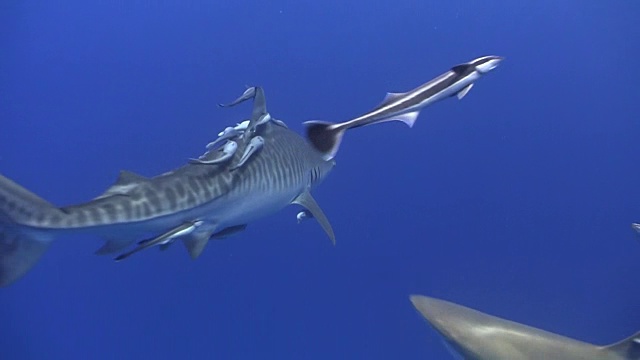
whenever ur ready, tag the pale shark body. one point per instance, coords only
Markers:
(193, 203)
(478, 336)
(405, 107)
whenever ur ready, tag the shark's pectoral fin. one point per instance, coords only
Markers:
(308, 202)
(167, 237)
(636, 227)
(628, 348)
(460, 94)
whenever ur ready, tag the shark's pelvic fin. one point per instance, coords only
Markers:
(169, 236)
(196, 242)
(308, 202)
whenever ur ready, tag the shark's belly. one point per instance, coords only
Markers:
(238, 210)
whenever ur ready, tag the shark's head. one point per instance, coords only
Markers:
(463, 329)
(486, 63)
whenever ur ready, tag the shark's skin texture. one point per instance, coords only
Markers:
(405, 107)
(478, 336)
(192, 203)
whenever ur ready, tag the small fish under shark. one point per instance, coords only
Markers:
(262, 168)
(405, 107)
(478, 336)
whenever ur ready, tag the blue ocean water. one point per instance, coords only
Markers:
(516, 200)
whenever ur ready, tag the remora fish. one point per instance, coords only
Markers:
(193, 203)
(479, 336)
(405, 107)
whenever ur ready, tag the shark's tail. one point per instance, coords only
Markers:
(21, 245)
(325, 137)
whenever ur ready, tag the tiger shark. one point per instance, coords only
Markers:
(405, 107)
(478, 336)
(210, 197)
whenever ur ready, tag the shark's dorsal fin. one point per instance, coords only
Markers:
(308, 202)
(628, 348)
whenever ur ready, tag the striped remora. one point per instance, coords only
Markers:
(405, 107)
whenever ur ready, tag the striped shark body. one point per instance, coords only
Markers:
(474, 335)
(405, 107)
(193, 203)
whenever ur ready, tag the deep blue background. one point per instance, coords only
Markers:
(516, 200)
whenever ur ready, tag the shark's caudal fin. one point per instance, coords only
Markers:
(20, 246)
(628, 348)
(325, 137)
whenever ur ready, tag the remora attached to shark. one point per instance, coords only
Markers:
(479, 336)
(210, 197)
(405, 107)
